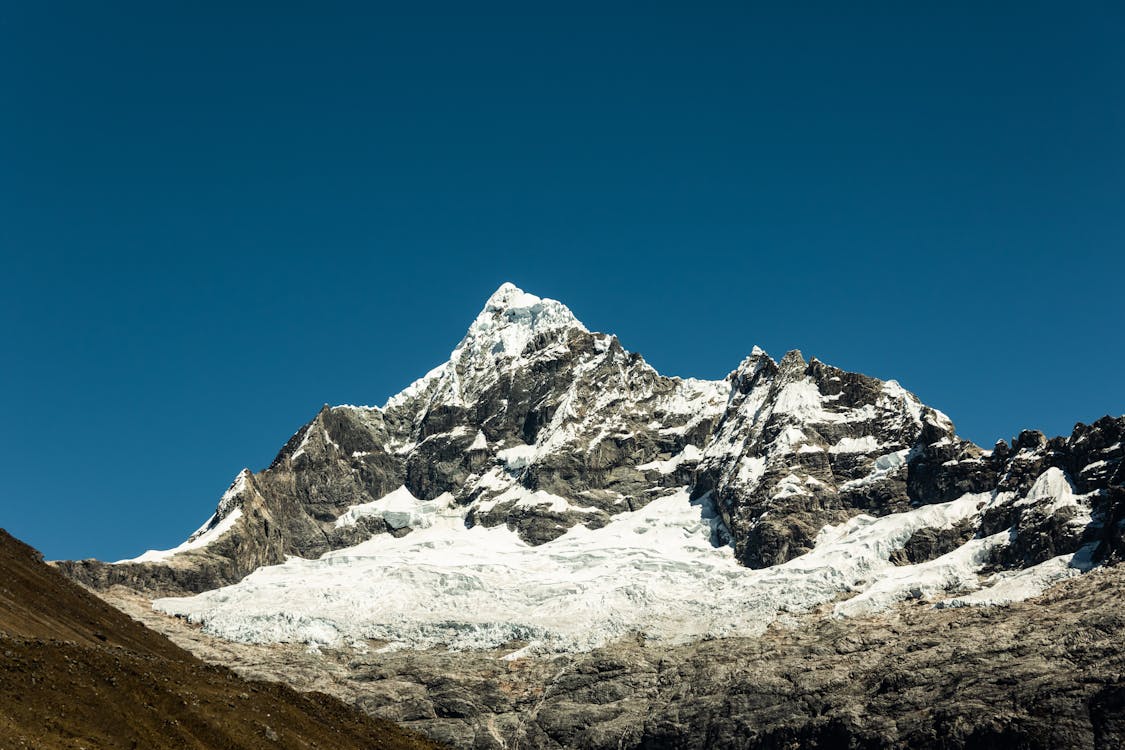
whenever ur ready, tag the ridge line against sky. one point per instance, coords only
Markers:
(214, 220)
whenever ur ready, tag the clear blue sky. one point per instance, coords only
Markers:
(214, 218)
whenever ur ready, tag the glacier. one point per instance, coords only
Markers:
(662, 572)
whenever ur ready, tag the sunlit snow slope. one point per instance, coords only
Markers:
(662, 571)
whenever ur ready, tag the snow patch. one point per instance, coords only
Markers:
(801, 398)
(398, 508)
(1054, 485)
(516, 457)
(884, 465)
(1018, 585)
(751, 469)
(865, 444)
(690, 454)
(953, 570)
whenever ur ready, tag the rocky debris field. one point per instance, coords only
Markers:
(1047, 673)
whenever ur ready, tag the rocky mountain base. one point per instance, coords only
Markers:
(1048, 673)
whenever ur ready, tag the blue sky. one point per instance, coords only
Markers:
(214, 218)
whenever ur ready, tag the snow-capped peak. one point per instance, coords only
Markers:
(510, 319)
(653, 499)
(510, 295)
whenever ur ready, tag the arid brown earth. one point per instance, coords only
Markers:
(77, 673)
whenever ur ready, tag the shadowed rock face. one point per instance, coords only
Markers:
(803, 445)
(538, 424)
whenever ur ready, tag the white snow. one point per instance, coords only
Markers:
(543, 501)
(654, 571)
(1018, 585)
(1054, 485)
(891, 461)
(884, 465)
(517, 457)
(511, 319)
(787, 438)
(951, 571)
(751, 469)
(304, 443)
(800, 398)
(525, 498)
(399, 509)
(1052, 492)
(227, 501)
(864, 444)
(896, 392)
(790, 485)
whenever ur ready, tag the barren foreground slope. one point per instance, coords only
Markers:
(77, 673)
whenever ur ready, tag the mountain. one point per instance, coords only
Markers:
(547, 493)
(76, 672)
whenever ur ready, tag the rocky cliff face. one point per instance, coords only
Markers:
(539, 425)
(802, 445)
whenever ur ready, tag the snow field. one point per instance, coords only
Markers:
(654, 571)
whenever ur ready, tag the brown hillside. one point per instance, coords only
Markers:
(77, 673)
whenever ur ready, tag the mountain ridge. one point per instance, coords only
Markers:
(539, 426)
(544, 542)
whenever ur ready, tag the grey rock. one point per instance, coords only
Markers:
(1048, 673)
